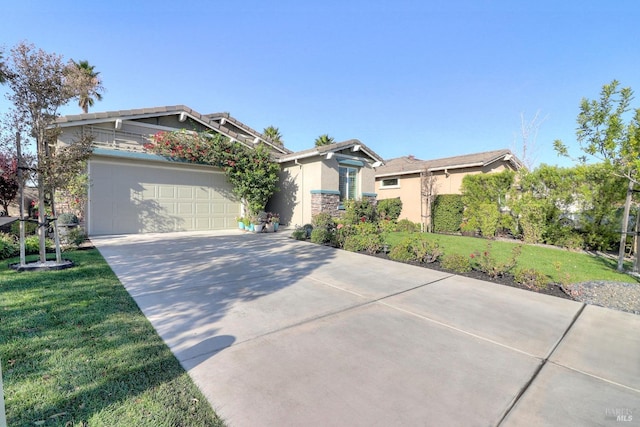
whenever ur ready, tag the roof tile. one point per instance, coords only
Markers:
(405, 165)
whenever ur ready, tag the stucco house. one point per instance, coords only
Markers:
(407, 178)
(322, 178)
(135, 191)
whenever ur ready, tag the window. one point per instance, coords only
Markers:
(390, 183)
(347, 183)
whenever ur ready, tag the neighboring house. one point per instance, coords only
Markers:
(134, 191)
(321, 179)
(408, 178)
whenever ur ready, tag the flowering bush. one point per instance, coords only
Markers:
(251, 172)
(357, 211)
(180, 144)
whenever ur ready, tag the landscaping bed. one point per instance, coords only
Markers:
(507, 279)
(622, 296)
(577, 275)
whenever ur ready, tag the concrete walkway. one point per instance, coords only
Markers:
(277, 332)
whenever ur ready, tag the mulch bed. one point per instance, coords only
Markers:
(506, 280)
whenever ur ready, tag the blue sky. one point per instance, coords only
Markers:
(428, 78)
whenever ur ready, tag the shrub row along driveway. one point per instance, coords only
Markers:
(280, 332)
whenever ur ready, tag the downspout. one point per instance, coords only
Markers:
(301, 191)
(422, 219)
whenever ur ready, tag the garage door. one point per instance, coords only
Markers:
(128, 197)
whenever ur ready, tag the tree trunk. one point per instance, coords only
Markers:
(636, 239)
(625, 226)
(21, 189)
(42, 213)
(56, 236)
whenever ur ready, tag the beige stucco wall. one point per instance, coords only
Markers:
(293, 200)
(451, 184)
(298, 180)
(288, 200)
(408, 191)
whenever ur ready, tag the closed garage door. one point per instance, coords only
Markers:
(128, 197)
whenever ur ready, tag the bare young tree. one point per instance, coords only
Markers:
(525, 144)
(428, 192)
(40, 84)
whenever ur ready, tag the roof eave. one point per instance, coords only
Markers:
(400, 173)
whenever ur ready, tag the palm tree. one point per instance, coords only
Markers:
(324, 140)
(91, 87)
(3, 72)
(273, 133)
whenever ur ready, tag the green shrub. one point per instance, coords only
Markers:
(32, 244)
(323, 228)
(364, 236)
(488, 264)
(357, 210)
(533, 218)
(370, 243)
(67, 218)
(342, 232)
(488, 218)
(74, 238)
(30, 228)
(531, 278)
(447, 213)
(320, 235)
(387, 226)
(426, 251)
(456, 262)
(389, 208)
(8, 246)
(406, 225)
(323, 220)
(569, 239)
(299, 234)
(402, 251)
(601, 237)
(415, 248)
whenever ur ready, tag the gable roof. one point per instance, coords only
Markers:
(245, 135)
(353, 144)
(410, 165)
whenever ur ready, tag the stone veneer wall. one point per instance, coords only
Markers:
(324, 202)
(330, 203)
(371, 198)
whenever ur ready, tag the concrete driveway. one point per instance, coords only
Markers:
(277, 332)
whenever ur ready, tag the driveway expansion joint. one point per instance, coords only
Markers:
(404, 291)
(542, 364)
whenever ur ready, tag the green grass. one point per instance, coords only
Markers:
(77, 351)
(574, 267)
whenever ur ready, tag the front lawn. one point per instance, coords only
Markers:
(559, 265)
(77, 351)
